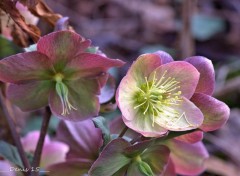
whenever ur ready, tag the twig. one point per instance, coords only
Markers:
(38, 151)
(187, 46)
(15, 135)
(124, 130)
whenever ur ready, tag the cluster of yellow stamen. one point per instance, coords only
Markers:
(62, 92)
(158, 97)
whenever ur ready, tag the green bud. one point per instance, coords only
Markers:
(145, 168)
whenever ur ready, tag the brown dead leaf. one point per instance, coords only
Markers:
(20, 38)
(10, 8)
(42, 10)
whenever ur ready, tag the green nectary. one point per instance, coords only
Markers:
(156, 96)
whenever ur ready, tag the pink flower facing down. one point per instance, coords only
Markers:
(159, 94)
(53, 151)
(60, 73)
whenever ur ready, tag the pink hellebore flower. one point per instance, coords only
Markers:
(60, 73)
(53, 151)
(159, 94)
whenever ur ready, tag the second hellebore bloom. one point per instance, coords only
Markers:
(60, 73)
(159, 94)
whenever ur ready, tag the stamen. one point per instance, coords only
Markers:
(62, 92)
(157, 98)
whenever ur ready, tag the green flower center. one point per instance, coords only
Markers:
(63, 94)
(156, 97)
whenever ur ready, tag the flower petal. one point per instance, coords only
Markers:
(143, 125)
(216, 113)
(170, 169)
(207, 76)
(74, 167)
(24, 67)
(165, 57)
(90, 65)
(124, 97)
(108, 91)
(5, 168)
(62, 46)
(83, 139)
(181, 71)
(30, 141)
(30, 96)
(143, 66)
(188, 159)
(111, 159)
(191, 138)
(53, 152)
(189, 117)
(82, 95)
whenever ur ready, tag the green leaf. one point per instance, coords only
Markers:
(101, 123)
(112, 160)
(10, 153)
(8, 48)
(145, 168)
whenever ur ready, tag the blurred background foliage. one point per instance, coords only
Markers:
(125, 29)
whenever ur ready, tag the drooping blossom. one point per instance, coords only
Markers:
(84, 142)
(59, 74)
(53, 151)
(159, 95)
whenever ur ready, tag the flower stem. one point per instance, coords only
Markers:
(124, 130)
(7, 112)
(136, 139)
(38, 151)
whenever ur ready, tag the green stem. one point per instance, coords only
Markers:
(38, 151)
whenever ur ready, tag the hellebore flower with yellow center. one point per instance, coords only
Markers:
(60, 74)
(159, 94)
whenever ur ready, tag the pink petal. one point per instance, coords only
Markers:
(216, 113)
(124, 96)
(30, 141)
(170, 169)
(183, 72)
(83, 96)
(83, 139)
(188, 159)
(207, 76)
(25, 67)
(90, 65)
(108, 91)
(30, 96)
(62, 46)
(143, 125)
(53, 152)
(5, 167)
(143, 66)
(191, 138)
(165, 57)
(189, 117)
